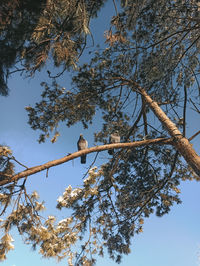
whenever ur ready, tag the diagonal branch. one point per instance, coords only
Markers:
(39, 168)
(181, 143)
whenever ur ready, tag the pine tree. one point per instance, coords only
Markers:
(147, 70)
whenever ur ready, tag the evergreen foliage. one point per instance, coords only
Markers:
(33, 31)
(151, 44)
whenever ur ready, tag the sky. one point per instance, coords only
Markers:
(173, 239)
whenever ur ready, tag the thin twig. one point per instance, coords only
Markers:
(95, 158)
(13, 158)
(192, 137)
(184, 111)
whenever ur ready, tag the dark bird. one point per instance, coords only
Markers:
(114, 138)
(82, 144)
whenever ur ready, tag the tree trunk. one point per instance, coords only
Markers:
(181, 143)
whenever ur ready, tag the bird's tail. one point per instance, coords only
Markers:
(110, 152)
(83, 159)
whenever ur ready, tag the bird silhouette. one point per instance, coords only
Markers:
(82, 144)
(114, 138)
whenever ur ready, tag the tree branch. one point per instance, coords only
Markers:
(180, 142)
(39, 168)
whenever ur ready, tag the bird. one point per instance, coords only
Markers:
(114, 138)
(82, 144)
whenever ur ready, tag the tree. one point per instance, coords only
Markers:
(148, 68)
(33, 31)
(18, 20)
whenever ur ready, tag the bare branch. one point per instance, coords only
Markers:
(184, 111)
(39, 168)
(13, 158)
(196, 134)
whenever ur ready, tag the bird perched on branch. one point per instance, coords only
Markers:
(114, 138)
(82, 144)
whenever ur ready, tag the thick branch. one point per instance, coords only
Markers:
(180, 142)
(39, 168)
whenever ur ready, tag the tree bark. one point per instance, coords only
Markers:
(45, 166)
(181, 143)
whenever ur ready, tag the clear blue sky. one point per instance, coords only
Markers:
(171, 240)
